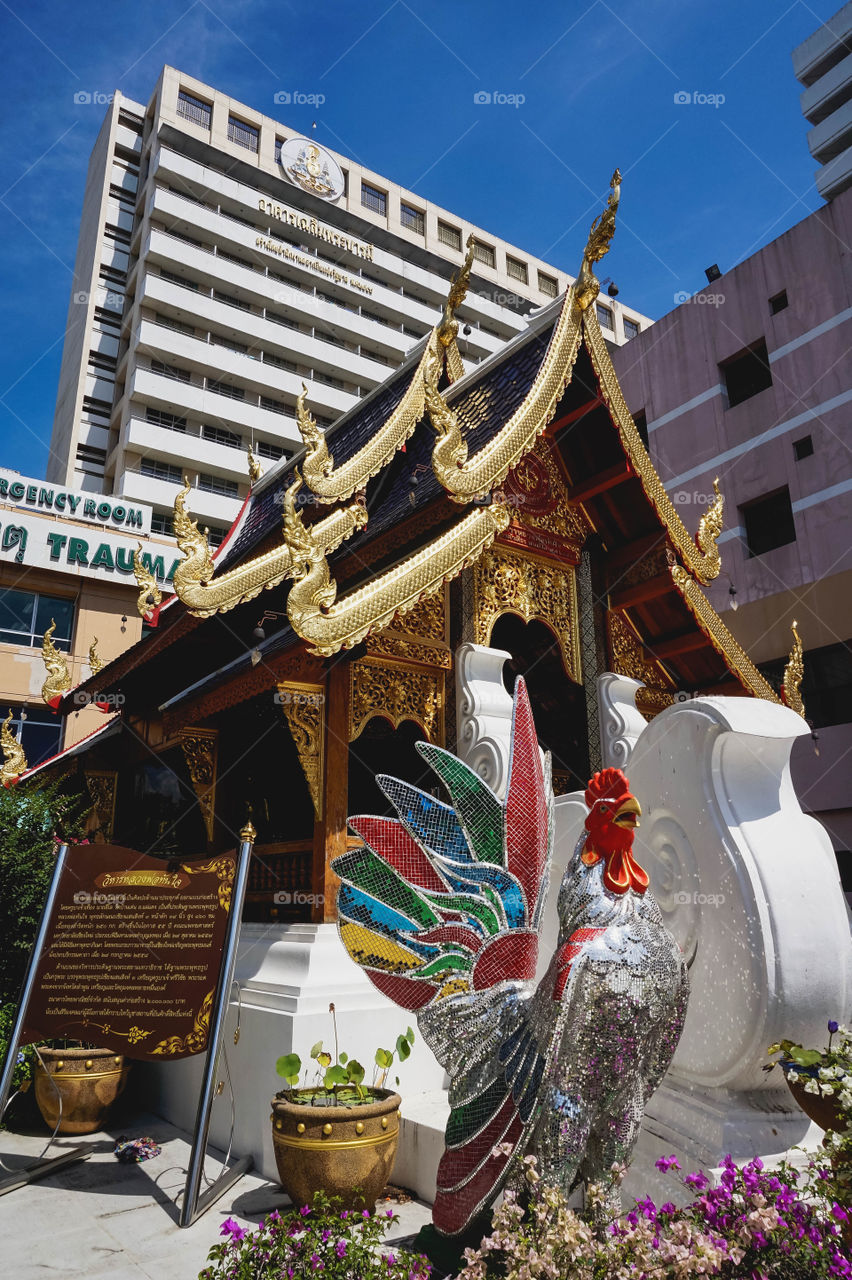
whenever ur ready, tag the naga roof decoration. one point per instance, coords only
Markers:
(335, 484)
(329, 626)
(465, 478)
(700, 554)
(793, 673)
(205, 595)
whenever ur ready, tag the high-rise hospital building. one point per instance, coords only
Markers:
(223, 261)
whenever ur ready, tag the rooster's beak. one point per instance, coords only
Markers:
(627, 813)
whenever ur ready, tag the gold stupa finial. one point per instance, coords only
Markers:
(149, 593)
(601, 232)
(449, 327)
(14, 760)
(58, 679)
(255, 470)
(709, 527)
(96, 662)
(793, 673)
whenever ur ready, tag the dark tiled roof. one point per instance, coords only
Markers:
(344, 439)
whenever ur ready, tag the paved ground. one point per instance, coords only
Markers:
(100, 1218)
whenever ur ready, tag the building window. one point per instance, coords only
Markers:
(412, 219)
(641, 421)
(172, 371)
(604, 317)
(274, 406)
(374, 199)
(109, 319)
(163, 522)
(174, 278)
(450, 236)
(111, 275)
(230, 300)
(245, 135)
(778, 303)
(517, 269)
(26, 615)
(769, 522)
(265, 449)
(217, 484)
(160, 418)
(216, 535)
(218, 435)
(97, 360)
(91, 459)
(484, 253)
(631, 329)
(178, 326)
(219, 340)
(127, 198)
(157, 470)
(225, 389)
(803, 448)
(279, 143)
(746, 374)
(278, 318)
(38, 731)
(194, 109)
(548, 285)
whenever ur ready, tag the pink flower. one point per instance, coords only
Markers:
(340, 1248)
(230, 1227)
(667, 1162)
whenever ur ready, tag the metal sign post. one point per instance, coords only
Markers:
(41, 1167)
(194, 1204)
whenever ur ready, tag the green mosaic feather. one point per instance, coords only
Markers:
(479, 810)
(367, 871)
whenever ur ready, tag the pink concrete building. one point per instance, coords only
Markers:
(750, 381)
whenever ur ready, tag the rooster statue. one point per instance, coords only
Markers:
(442, 908)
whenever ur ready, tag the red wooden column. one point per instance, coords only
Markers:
(330, 832)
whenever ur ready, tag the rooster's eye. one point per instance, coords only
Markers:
(604, 808)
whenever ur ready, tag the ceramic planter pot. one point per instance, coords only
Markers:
(87, 1080)
(823, 1109)
(343, 1151)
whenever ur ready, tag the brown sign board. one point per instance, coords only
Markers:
(133, 952)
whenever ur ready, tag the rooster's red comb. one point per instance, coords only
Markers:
(609, 784)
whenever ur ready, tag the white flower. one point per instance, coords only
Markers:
(826, 1073)
(792, 1076)
(827, 1090)
(811, 1086)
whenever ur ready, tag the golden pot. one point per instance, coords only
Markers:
(343, 1151)
(87, 1080)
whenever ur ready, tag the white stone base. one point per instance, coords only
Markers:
(702, 1126)
(287, 975)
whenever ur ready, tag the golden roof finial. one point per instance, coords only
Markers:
(150, 594)
(14, 760)
(318, 461)
(255, 470)
(96, 662)
(793, 673)
(58, 676)
(449, 327)
(709, 528)
(601, 232)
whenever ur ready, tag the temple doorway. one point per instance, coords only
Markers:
(559, 705)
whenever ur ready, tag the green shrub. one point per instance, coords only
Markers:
(29, 818)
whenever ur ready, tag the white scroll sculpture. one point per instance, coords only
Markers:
(483, 713)
(749, 886)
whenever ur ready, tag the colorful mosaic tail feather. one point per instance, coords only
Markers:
(444, 902)
(442, 909)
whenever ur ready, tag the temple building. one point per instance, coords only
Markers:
(504, 506)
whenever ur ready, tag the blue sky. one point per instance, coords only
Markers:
(703, 182)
